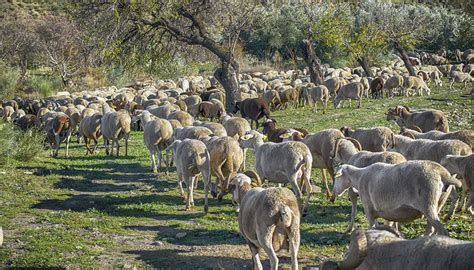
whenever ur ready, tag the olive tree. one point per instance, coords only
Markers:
(214, 26)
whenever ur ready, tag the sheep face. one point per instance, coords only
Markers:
(234, 186)
(342, 182)
(252, 138)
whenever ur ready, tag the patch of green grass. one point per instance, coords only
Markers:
(93, 211)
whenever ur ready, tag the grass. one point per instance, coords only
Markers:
(96, 211)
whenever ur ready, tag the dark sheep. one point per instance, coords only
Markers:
(376, 88)
(274, 134)
(254, 109)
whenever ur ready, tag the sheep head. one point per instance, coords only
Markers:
(342, 182)
(238, 181)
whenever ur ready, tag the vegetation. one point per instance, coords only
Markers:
(92, 211)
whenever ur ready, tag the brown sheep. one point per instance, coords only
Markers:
(253, 108)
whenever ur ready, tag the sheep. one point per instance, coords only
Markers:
(210, 110)
(89, 129)
(235, 127)
(416, 83)
(191, 158)
(376, 88)
(424, 149)
(162, 111)
(463, 166)
(6, 113)
(272, 97)
(253, 108)
(157, 136)
(419, 187)
(348, 151)
(289, 96)
(17, 115)
(58, 129)
(183, 117)
(353, 90)
(191, 132)
(466, 136)
(175, 123)
(274, 134)
(459, 77)
(394, 82)
(426, 120)
(376, 139)
(318, 93)
(281, 162)
(386, 249)
(436, 76)
(216, 128)
(269, 219)
(114, 126)
(226, 159)
(321, 144)
(333, 85)
(28, 121)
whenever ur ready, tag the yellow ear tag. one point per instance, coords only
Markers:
(265, 138)
(285, 136)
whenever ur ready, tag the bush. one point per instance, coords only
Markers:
(8, 79)
(19, 145)
(43, 85)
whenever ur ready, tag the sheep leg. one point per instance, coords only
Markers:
(56, 137)
(68, 139)
(353, 199)
(118, 147)
(220, 182)
(257, 264)
(206, 175)
(325, 180)
(190, 186)
(242, 169)
(454, 203)
(180, 184)
(127, 136)
(86, 142)
(309, 187)
(112, 145)
(153, 162)
(433, 221)
(106, 145)
(470, 202)
(95, 146)
(294, 240)
(265, 237)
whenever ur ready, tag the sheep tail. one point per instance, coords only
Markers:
(286, 216)
(450, 180)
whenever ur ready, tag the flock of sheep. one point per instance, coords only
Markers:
(398, 177)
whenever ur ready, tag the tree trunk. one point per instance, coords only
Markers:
(228, 77)
(365, 65)
(313, 62)
(404, 56)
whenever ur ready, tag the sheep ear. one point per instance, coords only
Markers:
(246, 137)
(338, 171)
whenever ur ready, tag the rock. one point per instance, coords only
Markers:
(181, 235)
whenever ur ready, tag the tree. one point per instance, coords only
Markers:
(212, 25)
(404, 26)
(19, 43)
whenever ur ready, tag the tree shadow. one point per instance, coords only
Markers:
(183, 259)
(193, 236)
(124, 206)
(325, 238)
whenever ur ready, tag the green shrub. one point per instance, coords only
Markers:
(8, 79)
(44, 85)
(19, 145)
